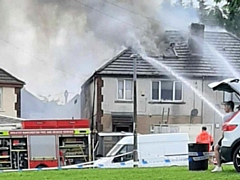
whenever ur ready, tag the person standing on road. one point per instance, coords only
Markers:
(229, 110)
(205, 138)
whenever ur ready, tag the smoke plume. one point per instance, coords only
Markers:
(55, 45)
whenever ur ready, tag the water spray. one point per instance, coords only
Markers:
(226, 63)
(138, 48)
(219, 56)
(158, 64)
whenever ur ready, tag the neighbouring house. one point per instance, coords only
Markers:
(35, 108)
(107, 96)
(10, 95)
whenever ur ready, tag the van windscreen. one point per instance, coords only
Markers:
(114, 150)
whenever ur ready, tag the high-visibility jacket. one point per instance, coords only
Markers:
(204, 138)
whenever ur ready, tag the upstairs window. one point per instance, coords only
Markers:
(125, 89)
(167, 91)
(231, 97)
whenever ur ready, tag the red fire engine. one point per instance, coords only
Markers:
(45, 143)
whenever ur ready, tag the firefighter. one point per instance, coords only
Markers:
(205, 138)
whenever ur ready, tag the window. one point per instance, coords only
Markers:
(125, 89)
(155, 90)
(178, 91)
(114, 150)
(167, 91)
(231, 97)
(125, 157)
(1, 98)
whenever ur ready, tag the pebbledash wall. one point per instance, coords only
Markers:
(9, 101)
(150, 112)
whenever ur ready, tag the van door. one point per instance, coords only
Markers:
(124, 158)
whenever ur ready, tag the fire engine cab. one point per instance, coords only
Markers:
(45, 143)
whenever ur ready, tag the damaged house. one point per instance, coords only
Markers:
(107, 96)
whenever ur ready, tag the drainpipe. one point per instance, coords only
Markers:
(92, 119)
(203, 78)
(194, 96)
(194, 102)
(93, 105)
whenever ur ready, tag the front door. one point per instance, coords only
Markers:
(122, 122)
(122, 128)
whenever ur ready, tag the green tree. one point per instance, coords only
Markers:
(211, 16)
(216, 17)
(227, 17)
(232, 24)
(232, 6)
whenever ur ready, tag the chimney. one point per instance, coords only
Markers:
(66, 96)
(196, 39)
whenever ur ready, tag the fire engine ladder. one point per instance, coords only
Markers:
(78, 151)
(165, 118)
(82, 151)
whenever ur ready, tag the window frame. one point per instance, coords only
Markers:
(124, 90)
(232, 98)
(160, 88)
(119, 156)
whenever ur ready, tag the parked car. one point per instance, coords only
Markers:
(230, 150)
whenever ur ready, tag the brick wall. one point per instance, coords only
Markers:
(18, 102)
(144, 122)
(99, 112)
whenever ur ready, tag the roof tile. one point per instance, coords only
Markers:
(185, 64)
(7, 78)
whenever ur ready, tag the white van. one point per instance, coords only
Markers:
(154, 150)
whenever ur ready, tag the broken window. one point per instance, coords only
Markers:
(125, 89)
(166, 90)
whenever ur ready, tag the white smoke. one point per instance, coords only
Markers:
(55, 45)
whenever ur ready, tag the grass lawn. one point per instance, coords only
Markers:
(176, 173)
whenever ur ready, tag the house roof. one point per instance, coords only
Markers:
(7, 78)
(9, 120)
(184, 63)
(123, 64)
(34, 108)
